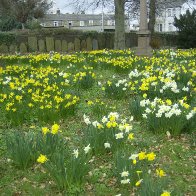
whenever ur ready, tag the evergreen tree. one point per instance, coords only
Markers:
(186, 26)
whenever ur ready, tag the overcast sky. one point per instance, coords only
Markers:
(62, 5)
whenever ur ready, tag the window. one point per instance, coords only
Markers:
(110, 22)
(70, 24)
(91, 22)
(56, 23)
(170, 27)
(160, 27)
(169, 12)
(81, 23)
(174, 12)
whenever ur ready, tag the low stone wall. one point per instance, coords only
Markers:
(69, 42)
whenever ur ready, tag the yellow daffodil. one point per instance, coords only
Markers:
(42, 159)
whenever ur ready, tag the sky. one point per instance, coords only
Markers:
(62, 5)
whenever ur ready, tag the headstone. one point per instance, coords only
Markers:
(109, 41)
(3, 48)
(58, 46)
(64, 46)
(89, 45)
(49, 44)
(23, 48)
(128, 41)
(101, 41)
(95, 44)
(111, 46)
(32, 44)
(77, 44)
(41, 45)
(70, 47)
(13, 48)
(83, 45)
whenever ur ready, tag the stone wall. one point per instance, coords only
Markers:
(69, 42)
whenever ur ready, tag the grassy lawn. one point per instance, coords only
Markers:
(93, 91)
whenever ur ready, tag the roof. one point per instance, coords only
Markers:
(170, 3)
(76, 17)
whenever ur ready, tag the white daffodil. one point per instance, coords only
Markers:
(125, 181)
(107, 145)
(124, 174)
(75, 153)
(119, 135)
(87, 148)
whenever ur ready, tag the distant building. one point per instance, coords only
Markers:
(167, 10)
(84, 22)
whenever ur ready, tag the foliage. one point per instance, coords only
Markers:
(7, 38)
(8, 23)
(21, 148)
(23, 11)
(33, 24)
(127, 159)
(186, 25)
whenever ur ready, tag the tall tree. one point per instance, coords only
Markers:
(152, 15)
(119, 37)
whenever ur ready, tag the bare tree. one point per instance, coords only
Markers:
(23, 10)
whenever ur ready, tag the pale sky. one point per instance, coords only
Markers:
(62, 5)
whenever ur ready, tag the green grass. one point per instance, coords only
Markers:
(175, 155)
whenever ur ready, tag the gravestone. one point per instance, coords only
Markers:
(64, 46)
(13, 48)
(49, 44)
(23, 48)
(32, 44)
(58, 46)
(3, 48)
(41, 45)
(70, 47)
(77, 44)
(83, 45)
(101, 41)
(89, 44)
(95, 44)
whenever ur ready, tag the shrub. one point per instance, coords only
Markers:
(186, 25)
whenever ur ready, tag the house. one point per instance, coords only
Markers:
(84, 22)
(168, 10)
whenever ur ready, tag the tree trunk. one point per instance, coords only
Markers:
(23, 26)
(119, 38)
(152, 16)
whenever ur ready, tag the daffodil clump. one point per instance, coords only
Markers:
(176, 54)
(163, 82)
(116, 89)
(55, 59)
(140, 172)
(65, 170)
(36, 92)
(108, 134)
(165, 115)
(15, 59)
(99, 107)
(85, 78)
